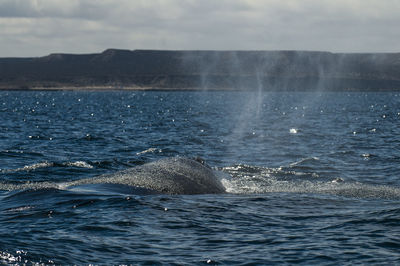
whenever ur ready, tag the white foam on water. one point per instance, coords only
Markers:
(19, 259)
(149, 150)
(63, 185)
(257, 180)
(81, 164)
(36, 166)
(246, 179)
(29, 167)
(20, 209)
(7, 258)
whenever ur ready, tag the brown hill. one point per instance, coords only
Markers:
(267, 70)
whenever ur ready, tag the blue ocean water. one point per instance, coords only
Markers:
(312, 178)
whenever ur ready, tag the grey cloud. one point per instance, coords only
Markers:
(53, 8)
(80, 25)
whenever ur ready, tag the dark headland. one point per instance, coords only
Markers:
(230, 70)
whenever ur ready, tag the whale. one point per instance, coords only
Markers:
(175, 176)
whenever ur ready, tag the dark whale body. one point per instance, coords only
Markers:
(166, 176)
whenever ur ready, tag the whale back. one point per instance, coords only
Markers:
(170, 176)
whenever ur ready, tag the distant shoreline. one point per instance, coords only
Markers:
(138, 70)
(112, 88)
(137, 88)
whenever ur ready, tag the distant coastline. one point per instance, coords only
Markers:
(112, 88)
(116, 69)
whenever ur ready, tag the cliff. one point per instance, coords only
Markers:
(267, 70)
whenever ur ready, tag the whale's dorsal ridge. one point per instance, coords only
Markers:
(175, 175)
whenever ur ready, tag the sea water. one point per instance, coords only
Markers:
(312, 178)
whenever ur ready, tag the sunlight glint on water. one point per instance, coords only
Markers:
(313, 178)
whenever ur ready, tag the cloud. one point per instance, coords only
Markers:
(38, 27)
(37, 8)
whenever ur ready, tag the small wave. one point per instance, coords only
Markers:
(80, 164)
(36, 166)
(20, 209)
(301, 161)
(149, 151)
(29, 167)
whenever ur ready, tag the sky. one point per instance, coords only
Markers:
(40, 27)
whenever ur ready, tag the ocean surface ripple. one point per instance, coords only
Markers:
(311, 178)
